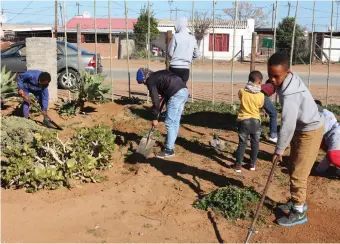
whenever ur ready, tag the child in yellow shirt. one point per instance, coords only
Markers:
(249, 119)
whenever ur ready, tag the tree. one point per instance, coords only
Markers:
(284, 38)
(141, 28)
(202, 22)
(248, 11)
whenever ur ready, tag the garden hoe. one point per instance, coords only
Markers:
(146, 144)
(259, 206)
(39, 109)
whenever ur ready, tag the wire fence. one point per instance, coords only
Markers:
(227, 49)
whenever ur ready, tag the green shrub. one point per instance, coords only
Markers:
(142, 54)
(334, 108)
(49, 163)
(206, 106)
(232, 202)
(8, 84)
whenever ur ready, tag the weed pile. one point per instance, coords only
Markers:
(231, 202)
(46, 162)
(206, 106)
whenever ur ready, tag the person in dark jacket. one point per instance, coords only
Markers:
(35, 82)
(175, 93)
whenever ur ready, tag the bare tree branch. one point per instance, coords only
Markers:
(202, 22)
(246, 11)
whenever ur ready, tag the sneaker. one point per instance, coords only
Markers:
(238, 168)
(166, 154)
(252, 167)
(293, 218)
(274, 140)
(290, 205)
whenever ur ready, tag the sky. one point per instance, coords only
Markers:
(42, 12)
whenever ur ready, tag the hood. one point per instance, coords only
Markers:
(292, 85)
(181, 24)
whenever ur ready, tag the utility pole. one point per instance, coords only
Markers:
(275, 24)
(329, 53)
(78, 5)
(337, 14)
(2, 14)
(273, 13)
(110, 39)
(311, 53)
(61, 14)
(55, 19)
(233, 55)
(213, 57)
(148, 46)
(288, 9)
(170, 3)
(293, 38)
(192, 67)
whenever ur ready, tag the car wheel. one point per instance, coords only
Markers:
(69, 80)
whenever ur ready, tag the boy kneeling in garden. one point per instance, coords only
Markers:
(249, 119)
(175, 93)
(35, 82)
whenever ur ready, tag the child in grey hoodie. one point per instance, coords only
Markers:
(182, 50)
(302, 126)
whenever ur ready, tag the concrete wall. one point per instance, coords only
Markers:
(335, 54)
(41, 54)
(123, 51)
(103, 48)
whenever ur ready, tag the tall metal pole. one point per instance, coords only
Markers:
(95, 33)
(127, 47)
(148, 49)
(288, 9)
(56, 19)
(233, 53)
(80, 66)
(110, 39)
(329, 53)
(311, 47)
(213, 54)
(65, 42)
(275, 24)
(293, 38)
(192, 66)
(337, 14)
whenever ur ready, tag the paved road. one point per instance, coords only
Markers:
(221, 76)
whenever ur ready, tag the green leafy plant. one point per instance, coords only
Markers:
(8, 85)
(334, 108)
(206, 106)
(142, 54)
(47, 162)
(89, 89)
(232, 202)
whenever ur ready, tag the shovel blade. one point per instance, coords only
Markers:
(145, 146)
(217, 144)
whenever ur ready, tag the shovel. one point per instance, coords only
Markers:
(259, 206)
(217, 143)
(146, 144)
(39, 109)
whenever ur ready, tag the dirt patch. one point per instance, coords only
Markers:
(142, 200)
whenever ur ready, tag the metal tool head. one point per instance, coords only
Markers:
(146, 144)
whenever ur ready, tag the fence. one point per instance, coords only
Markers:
(217, 74)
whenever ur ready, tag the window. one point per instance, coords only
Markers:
(11, 50)
(221, 42)
(22, 51)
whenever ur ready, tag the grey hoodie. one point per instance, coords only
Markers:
(299, 111)
(183, 46)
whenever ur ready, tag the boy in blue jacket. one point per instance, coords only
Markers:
(35, 82)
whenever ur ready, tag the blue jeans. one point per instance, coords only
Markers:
(271, 111)
(174, 109)
(246, 128)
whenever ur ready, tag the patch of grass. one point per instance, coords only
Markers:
(232, 202)
(335, 109)
(206, 106)
(147, 225)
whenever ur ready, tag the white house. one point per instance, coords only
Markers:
(224, 35)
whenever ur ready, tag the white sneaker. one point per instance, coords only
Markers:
(274, 140)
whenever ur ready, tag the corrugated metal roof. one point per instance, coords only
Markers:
(101, 23)
(240, 24)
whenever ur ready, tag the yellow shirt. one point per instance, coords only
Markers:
(250, 105)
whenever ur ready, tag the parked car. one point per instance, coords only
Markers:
(14, 57)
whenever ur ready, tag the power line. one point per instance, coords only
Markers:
(21, 11)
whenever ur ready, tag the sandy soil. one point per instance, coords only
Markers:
(151, 200)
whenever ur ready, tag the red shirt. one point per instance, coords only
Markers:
(268, 89)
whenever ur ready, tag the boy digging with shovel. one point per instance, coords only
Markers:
(302, 126)
(175, 93)
(35, 82)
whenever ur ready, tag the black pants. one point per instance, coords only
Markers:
(248, 127)
(183, 73)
